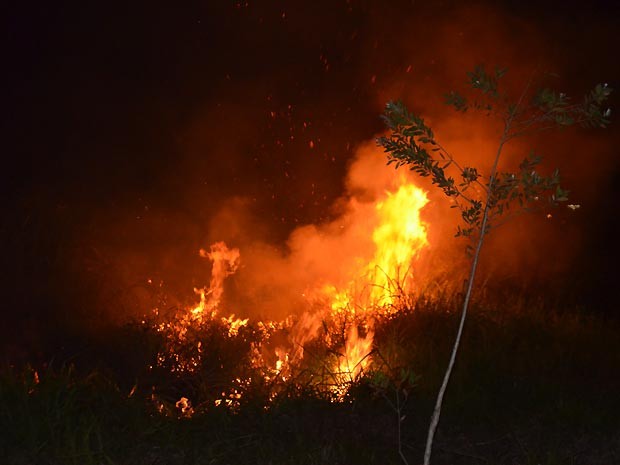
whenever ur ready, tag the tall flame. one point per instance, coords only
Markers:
(399, 236)
(225, 263)
(371, 289)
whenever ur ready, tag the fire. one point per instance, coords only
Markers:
(185, 407)
(400, 235)
(225, 262)
(399, 238)
(357, 355)
(349, 307)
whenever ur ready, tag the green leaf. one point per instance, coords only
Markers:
(457, 101)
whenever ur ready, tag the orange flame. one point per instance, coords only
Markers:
(370, 289)
(399, 236)
(225, 263)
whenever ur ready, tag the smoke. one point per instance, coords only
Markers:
(274, 281)
(278, 156)
(533, 249)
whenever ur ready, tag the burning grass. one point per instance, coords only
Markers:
(327, 344)
(197, 384)
(532, 386)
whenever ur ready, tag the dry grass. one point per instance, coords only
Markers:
(531, 386)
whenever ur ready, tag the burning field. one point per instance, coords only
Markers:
(343, 276)
(208, 259)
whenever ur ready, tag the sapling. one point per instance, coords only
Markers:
(486, 200)
(394, 386)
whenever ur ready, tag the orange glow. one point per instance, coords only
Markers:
(357, 355)
(391, 235)
(398, 237)
(225, 262)
(185, 407)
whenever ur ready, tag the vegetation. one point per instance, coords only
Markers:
(533, 385)
(536, 384)
(485, 200)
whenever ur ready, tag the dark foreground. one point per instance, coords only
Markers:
(532, 386)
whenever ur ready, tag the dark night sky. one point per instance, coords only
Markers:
(126, 127)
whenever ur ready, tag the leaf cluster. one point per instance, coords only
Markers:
(482, 198)
(413, 143)
(556, 107)
(527, 187)
(487, 87)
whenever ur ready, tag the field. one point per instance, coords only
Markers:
(533, 385)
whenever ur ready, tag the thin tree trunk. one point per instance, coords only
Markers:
(470, 284)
